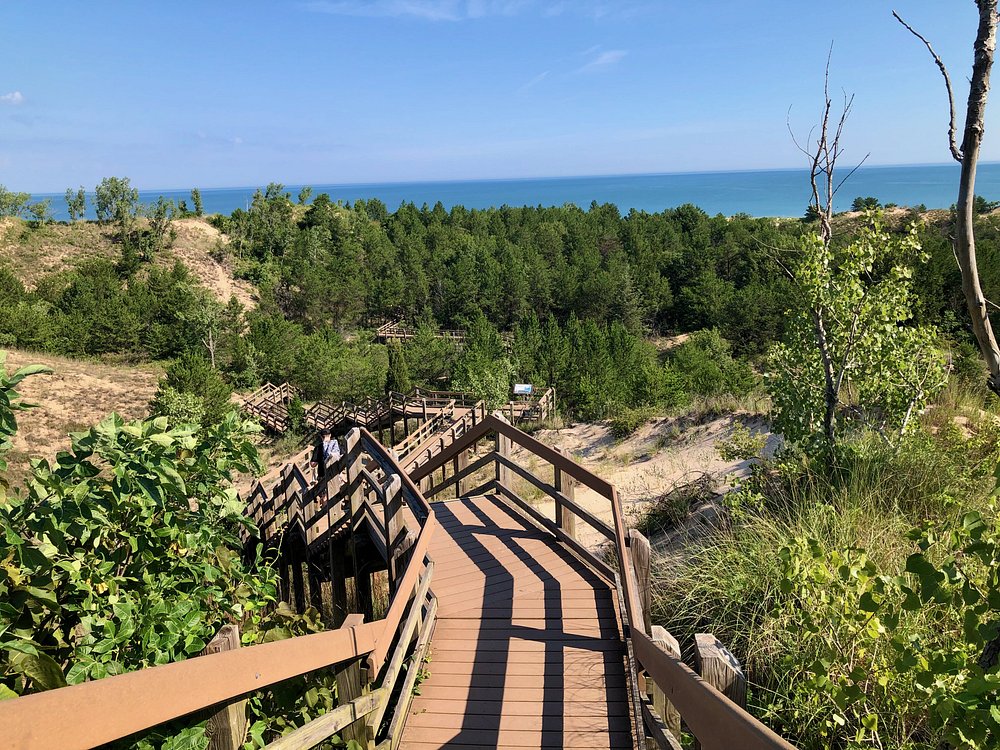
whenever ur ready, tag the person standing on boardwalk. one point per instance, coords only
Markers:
(327, 452)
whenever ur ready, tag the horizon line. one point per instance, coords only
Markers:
(443, 181)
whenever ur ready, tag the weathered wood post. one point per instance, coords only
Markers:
(503, 450)
(393, 524)
(720, 669)
(564, 483)
(460, 464)
(353, 466)
(663, 707)
(338, 581)
(226, 728)
(352, 682)
(639, 547)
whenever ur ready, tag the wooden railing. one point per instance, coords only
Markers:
(440, 436)
(368, 658)
(670, 689)
(369, 413)
(535, 409)
(269, 404)
(396, 331)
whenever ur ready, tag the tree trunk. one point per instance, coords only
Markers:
(965, 241)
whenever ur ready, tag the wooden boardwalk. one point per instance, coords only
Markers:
(527, 650)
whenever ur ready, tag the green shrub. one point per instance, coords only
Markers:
(627, 421)
(125, 554)
(180, 408)
(193, 374)
(823, 671)
(706, 364)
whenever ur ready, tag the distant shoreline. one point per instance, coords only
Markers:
(777, 193)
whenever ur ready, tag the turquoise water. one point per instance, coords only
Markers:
(758, 193)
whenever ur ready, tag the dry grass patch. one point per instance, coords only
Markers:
(76, 395)
(33, 253)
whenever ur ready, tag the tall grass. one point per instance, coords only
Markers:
(728, 582)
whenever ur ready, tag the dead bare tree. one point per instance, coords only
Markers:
(968, 156)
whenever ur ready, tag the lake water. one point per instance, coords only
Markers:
(758, 193)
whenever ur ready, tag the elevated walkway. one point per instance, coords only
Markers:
(536, 640)
(528, 648)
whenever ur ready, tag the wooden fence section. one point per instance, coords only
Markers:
(370, 413)
(535, 409)
(659, 684)
(396, 331)
(369, 658)
(269, 405)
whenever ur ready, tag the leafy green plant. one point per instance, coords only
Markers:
(627, 421)
(10, 403)
(850, 340)
(193, 374)
(876, 678)
(126, 553)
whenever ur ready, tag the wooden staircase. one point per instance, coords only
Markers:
(536, 640)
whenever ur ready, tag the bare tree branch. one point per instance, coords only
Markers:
(952, 127)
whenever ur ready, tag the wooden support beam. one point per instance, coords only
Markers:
(503, 450)
(338, 581)
(352, 683)
(641, 554)
(461, 462)
(566, 485)
(226, 728)
(363, 587)
(664, 708)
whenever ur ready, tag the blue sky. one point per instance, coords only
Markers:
(228, 93)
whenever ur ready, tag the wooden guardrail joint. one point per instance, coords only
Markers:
(641, 562)
(353, 681)
(720, 669)
(664, 708)
(226, 729)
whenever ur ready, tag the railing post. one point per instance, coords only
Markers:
(565, 484)
(226, 728)
(639, 546)
(663, 707)
(503, 450)
(720, 669)
(353, 682)
(461, 462)
(353, 468)
(338, 580)
(393, 524)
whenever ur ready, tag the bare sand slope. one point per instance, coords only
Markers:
(661, 456)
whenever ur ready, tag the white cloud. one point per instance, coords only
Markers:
(603, 60)
(14, 98)
(534, 81)
(427, 10)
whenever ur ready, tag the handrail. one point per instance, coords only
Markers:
(714, 719)
(101, 711)
(425, 430)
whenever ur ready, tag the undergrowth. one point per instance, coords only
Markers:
(783, 584)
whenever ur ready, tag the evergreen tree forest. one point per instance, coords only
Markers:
(580, 297)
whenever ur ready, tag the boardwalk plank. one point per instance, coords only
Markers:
(527, 649)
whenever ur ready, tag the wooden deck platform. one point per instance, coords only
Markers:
(527, 651)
